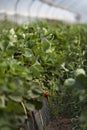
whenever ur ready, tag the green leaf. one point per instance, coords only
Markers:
(35, 87)
(32, 95)
(14, 107)
(2, 102)
(81, 81)
(5, 128)
(36, 69)
(44, 128)
(38, 105)
(15, 98)
(29, 106)
(28, 53)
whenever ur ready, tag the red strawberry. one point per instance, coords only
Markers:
(46, 94)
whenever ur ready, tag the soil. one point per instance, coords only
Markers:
(61, 123)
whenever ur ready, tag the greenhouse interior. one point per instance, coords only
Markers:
(43, 65)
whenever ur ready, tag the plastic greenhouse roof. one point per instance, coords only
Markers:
(78, 7)
(24, 10)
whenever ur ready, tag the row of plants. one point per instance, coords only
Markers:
(39, 58)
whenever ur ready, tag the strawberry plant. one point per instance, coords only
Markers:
(79, 83)
(35, 61)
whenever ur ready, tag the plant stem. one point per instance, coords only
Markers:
(41, 119)
(25, 111)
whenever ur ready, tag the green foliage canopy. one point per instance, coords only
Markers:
(35, 58)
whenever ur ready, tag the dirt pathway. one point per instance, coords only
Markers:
(62, 123)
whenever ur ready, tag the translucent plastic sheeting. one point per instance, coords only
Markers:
(8, 6)
(78, 7)
(26, 10)
(7, 9)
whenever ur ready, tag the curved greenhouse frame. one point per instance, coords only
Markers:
(20, 11)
